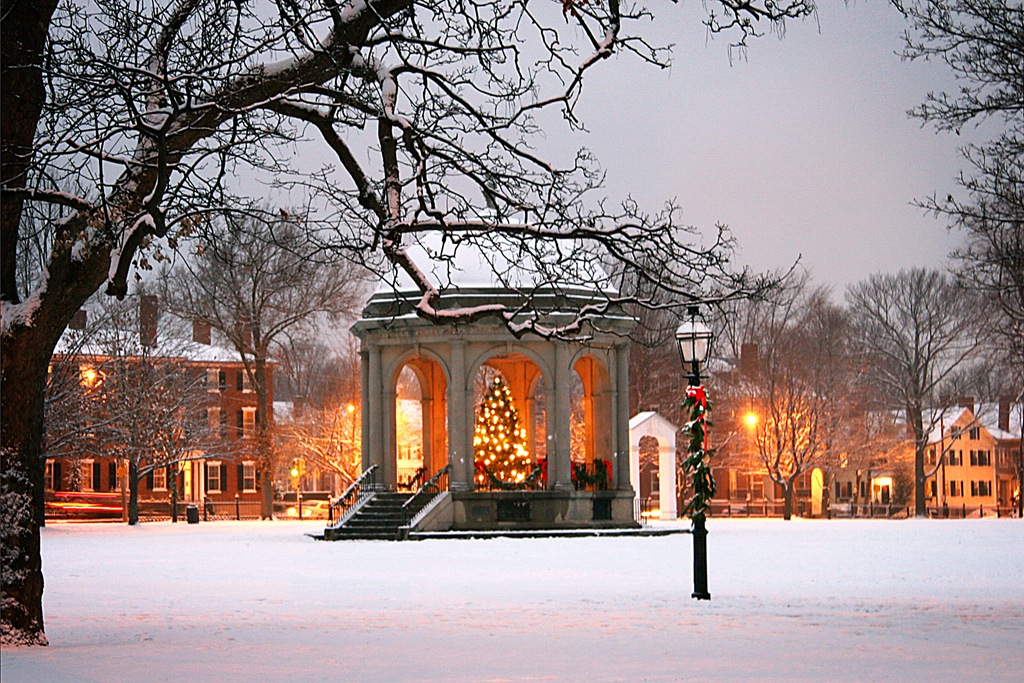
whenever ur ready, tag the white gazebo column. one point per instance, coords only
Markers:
(460, 445)
(667, 479)
(620, 417)
(560, 458)
(373, 409)
(390, 434)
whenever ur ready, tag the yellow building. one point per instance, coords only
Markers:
(964, 478)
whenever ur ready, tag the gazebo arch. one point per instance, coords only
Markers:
(651, 424)
(432, 376)
(446, 359)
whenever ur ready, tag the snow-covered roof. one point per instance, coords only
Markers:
(468, 266)
(168, 345)
(987, 416)
(641, 418)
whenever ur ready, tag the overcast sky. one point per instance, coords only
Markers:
(803, 147)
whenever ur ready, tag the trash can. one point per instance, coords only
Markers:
(192, 513)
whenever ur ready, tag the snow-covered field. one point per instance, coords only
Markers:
(805, 600)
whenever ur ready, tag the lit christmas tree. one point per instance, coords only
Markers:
(502, 460)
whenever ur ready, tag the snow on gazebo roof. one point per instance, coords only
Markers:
(465, 266)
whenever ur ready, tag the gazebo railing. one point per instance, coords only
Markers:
(363, 486)
(433, 487)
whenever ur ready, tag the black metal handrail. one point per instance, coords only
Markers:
(436, 485)
(346, 500)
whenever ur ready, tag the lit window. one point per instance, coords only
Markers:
(248, 421)
(91, 377)
(48, 477)
(160, 479)
(85, 469)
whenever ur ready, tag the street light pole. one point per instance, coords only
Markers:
(694, 340)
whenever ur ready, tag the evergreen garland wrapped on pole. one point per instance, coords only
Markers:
(697, 407)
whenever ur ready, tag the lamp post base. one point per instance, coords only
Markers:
(700, 560)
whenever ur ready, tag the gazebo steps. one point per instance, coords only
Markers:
(380, 519)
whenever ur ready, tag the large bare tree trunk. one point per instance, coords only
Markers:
(133, 492)
(21, 491)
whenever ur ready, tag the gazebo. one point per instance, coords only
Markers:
(572, 399)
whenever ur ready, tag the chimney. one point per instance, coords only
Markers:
(149, 313)
(749, 361)
(1004, 415)
(78, 321)
(967, 402)
(201, 332)
(244, 332)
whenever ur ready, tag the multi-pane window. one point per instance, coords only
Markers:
(975, 433)
(981, 488)
(934, 488)
(956, 457)
(48, 476)
(214, 417)
(216, 380)
(244, 385)
(86, 474)
(213, 481)
(956, 488)
(248, 421)
(248, 476)
(160, 479)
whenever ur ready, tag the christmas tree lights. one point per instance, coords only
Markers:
(499, 444)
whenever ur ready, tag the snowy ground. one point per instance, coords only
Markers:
(851, 600)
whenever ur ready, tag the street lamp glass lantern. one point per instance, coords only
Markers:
(694, 340)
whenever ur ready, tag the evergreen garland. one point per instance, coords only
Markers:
(696, 464)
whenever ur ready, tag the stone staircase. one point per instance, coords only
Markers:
(380, 519)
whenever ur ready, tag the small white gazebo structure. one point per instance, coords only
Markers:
(653, 426)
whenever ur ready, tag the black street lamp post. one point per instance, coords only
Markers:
(694, 340)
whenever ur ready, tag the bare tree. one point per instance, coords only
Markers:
(915, 329)
(254, 282)
(324, 428)
(803, 388)
(152, 113)
(982, 44)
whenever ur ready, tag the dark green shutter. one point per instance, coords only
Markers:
(149, 480)
(223, 477)
(241, 477)
(111, 475)
(97, 476)
(57, 482)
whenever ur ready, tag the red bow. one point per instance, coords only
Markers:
(698, 394)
